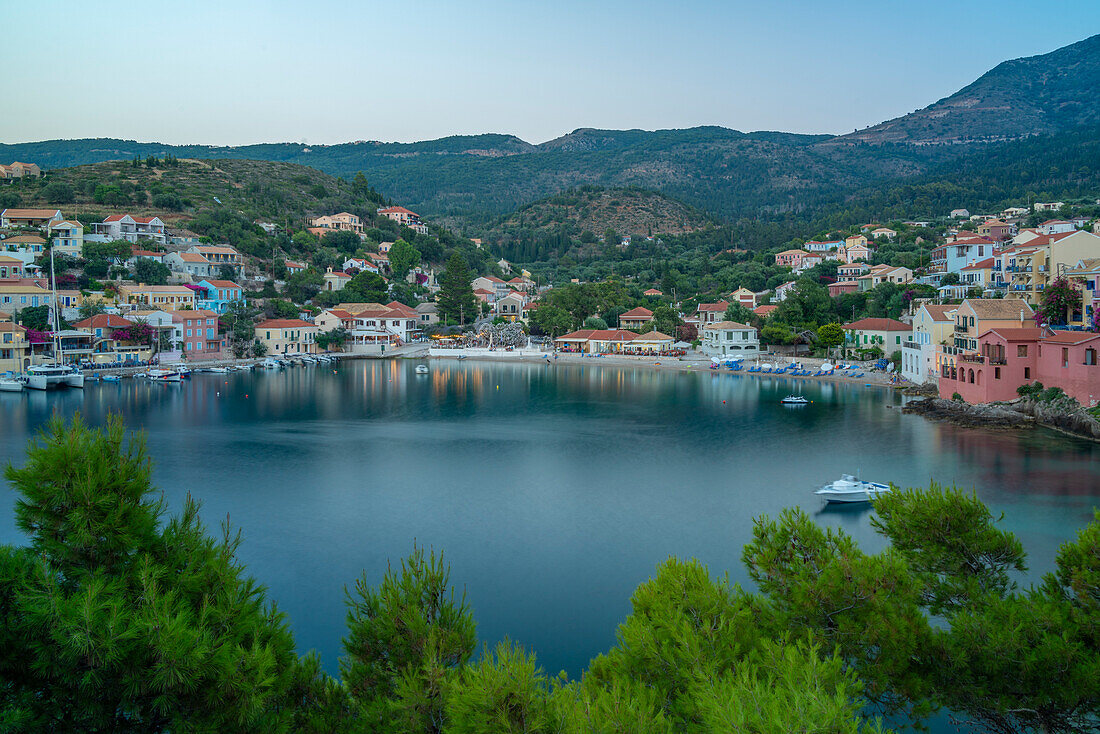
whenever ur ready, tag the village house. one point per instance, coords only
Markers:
(12, 267)
(404, 217)
(26, 247)
(852, 270)
(1049, 206)
(790, 258)
(335, 280)
(1086, 276)
(15, 295)
(652, 292)
(106, 347)
(883, 233)
(287, 336)
(1055, 226)
(34, 218)
(783, 289)
(933, 327)
(885, 334)
(219, 254)
(843, 286)
(190, 263)
(158, 297)
(952, 257)
(17, 169)
(219, 295)
(130, 228)
(344, 221)
(393, 322)
(195, 333)
(293, 267)
(745, 297)
(884, 274)
(711, 313)
(765, 311)
(484, 295)
(359, 265)
(1010, 357)
(510, 308)
(997, 230)
(975, 316)
(978, 274)
(730, 337)
(67, 237)
(854, 252)
(1034, 266)
(490, 283)
(959, 214)
(15, 351)
(595, 341)
(635, 318)
(822, 246)
(136, 253)
(428, 313)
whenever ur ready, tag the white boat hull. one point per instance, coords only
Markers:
(11, 386)
(47, 380)
(848, 489)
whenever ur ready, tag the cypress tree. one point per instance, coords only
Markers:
(456, 296)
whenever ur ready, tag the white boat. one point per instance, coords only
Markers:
(45, 376)
(219, 370)
(851, 489)
(422, 369)
(162, 375)
(111, 378)
(271, 364)
(11, 384)
(795, 400)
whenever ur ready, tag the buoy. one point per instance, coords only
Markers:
(723, 402)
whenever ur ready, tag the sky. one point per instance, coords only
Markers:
(232, 72)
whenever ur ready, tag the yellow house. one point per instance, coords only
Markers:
(14, 349)
(1033, 267)
(161, 297)
(1086, 276)
(287, 336)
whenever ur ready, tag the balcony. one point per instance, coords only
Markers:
(962, 329)
(998, 361)
(976, 358)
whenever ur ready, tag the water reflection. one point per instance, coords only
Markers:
(554, 489)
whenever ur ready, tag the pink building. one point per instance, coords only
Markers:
(1010, 357)
(843, 286)
(196, 334)
(790, 258)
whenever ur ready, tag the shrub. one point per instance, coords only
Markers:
(957, 398)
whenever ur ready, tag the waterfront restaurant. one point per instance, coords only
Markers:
(595, 341)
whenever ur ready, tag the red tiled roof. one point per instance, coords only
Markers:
(878, 325)
(1072, 337)
(764, 310)
(720, 306)
(637, 313)
(103, 321)
(282, 324)
(980, 264)
(397, 210)
(402, 309)
(223, 284)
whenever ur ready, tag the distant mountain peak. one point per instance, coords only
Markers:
(1048, 93)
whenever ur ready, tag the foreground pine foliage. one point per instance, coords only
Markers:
(116, 619)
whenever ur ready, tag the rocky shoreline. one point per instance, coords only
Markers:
(1073, 421)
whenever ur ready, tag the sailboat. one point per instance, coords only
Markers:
(45, 376)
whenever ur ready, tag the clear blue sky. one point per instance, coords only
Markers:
(328, 71)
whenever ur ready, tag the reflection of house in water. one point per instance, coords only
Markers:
(1020, 465)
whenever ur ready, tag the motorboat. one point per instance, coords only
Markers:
(184, 372)
(45, 376)
(850, 489)
(219, 370)
(163, 375)
(111, 378)
(794, 400)
(11, 383)
(422, 369)
(271, 364)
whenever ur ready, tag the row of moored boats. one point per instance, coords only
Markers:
(46, 377)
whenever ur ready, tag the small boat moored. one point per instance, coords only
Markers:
(11, 383)
(422, 369)
(850, 489)
(162, 375)
(795, 400)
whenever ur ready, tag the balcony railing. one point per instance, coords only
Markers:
(998, 360)
(976, 358)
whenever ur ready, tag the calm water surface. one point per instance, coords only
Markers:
(553, 490)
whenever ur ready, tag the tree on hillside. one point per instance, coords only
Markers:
(364, 287)
(343, 241)
(303, 285)
(150, 272)
(550, 320)
(737, 312)
(456, 296)
(403, 258)
(666, 320)
(830, 335)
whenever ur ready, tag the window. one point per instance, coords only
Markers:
(1090, 356)
(1021, 350)
(1027, 373)
(996, 373)
(1065, 356)
(188, 331)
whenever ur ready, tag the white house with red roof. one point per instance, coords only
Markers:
(191, 263)
(635, 318)
(783, 290)
(404, 217)
(218, 254)
(710, 313)
(490, 283)
(293, 267)
(335, 280)
(130, 228)
(1055, 226)
(360, 264)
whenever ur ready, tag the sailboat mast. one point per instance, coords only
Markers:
(53, 313)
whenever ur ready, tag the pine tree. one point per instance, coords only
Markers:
(456, 296)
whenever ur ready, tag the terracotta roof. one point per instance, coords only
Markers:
(193, 257)
(654, 336)
(20, 238)
(652, 292)
(217, 249)
(845, 282)
(765, 309)
(103, 321)
(340, 313)
(223, 284)
(999, 308)
(482, 292)
(637, 313)
(980, 264)
(283, 324)
(878, 325)
(939, 313)
(397, 210)
(337, 274)
(30, 213)
(13, 327)
(720, 306)
(145, 253)
(1018, 334)
(400, 308)
(578, 335)
(294, 264)
(1071, 337)
(722, 325)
